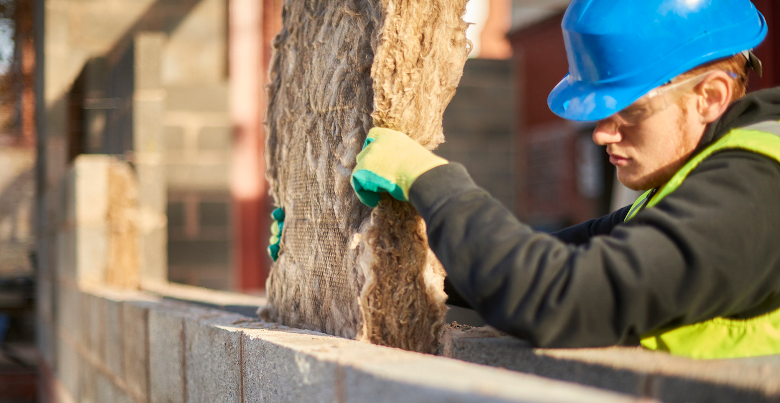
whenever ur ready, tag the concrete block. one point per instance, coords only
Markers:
(210, 98)
(91, 252)
(121, 396)
(97, 327)
(173, 138)
(135, 315)
(148, 110)
(115, 335)
(215, 138)
(199, 252)
(88, 384)
(148, 47)
(154, 254)
(44, 340)
(69, 311)
(43, 284)
(275, 372)
(51, 202)
(200, 36)
(213, 364)
(68, 367)
(152, 197)
(104, 389)
(205, 177)
(63, 259)
(57, 30)
(166, 357)
(91, 188)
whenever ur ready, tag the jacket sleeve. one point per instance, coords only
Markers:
(706, 250)
(582, 233)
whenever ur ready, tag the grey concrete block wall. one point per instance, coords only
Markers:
(197, 354)
(172, 351)
(308, 366)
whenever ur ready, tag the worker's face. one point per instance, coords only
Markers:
(649, 144)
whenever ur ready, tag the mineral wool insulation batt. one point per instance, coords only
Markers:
(341, 67)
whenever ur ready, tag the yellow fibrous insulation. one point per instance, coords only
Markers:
(339, 68)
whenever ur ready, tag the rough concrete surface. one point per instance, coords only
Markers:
(96, 313)
(88, 385)
(213, 353)
(277, 373)
(629, 370)
(135, 316)
(114, 337)
(166, 372)
(105, 390)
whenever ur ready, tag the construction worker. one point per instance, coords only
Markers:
(694, 266)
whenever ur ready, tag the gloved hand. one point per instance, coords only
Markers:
(389, 163)
(276, 233)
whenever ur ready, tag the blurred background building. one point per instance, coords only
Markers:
(176, 89)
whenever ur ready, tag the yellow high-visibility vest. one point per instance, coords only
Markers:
(719, 337)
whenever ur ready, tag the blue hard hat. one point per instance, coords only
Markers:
(619, 50)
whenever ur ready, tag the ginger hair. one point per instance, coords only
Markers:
(736, 64)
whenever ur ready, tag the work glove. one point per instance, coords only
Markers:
(276, 233)
(390, 163)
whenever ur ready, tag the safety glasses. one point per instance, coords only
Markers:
(656, 101)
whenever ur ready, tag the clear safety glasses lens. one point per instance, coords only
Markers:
(656, 101)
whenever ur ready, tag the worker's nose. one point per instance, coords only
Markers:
(606, 132)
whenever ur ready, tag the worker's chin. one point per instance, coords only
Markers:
(641, 181)
(634, 180)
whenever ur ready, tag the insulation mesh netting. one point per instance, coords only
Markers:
(341, 67)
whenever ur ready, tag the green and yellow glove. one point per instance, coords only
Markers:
(389, 163)
(276, 233)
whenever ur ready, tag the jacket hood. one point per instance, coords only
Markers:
(755, 107)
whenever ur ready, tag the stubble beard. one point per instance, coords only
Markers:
(660, 176)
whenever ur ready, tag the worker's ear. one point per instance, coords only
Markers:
(713, 96)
